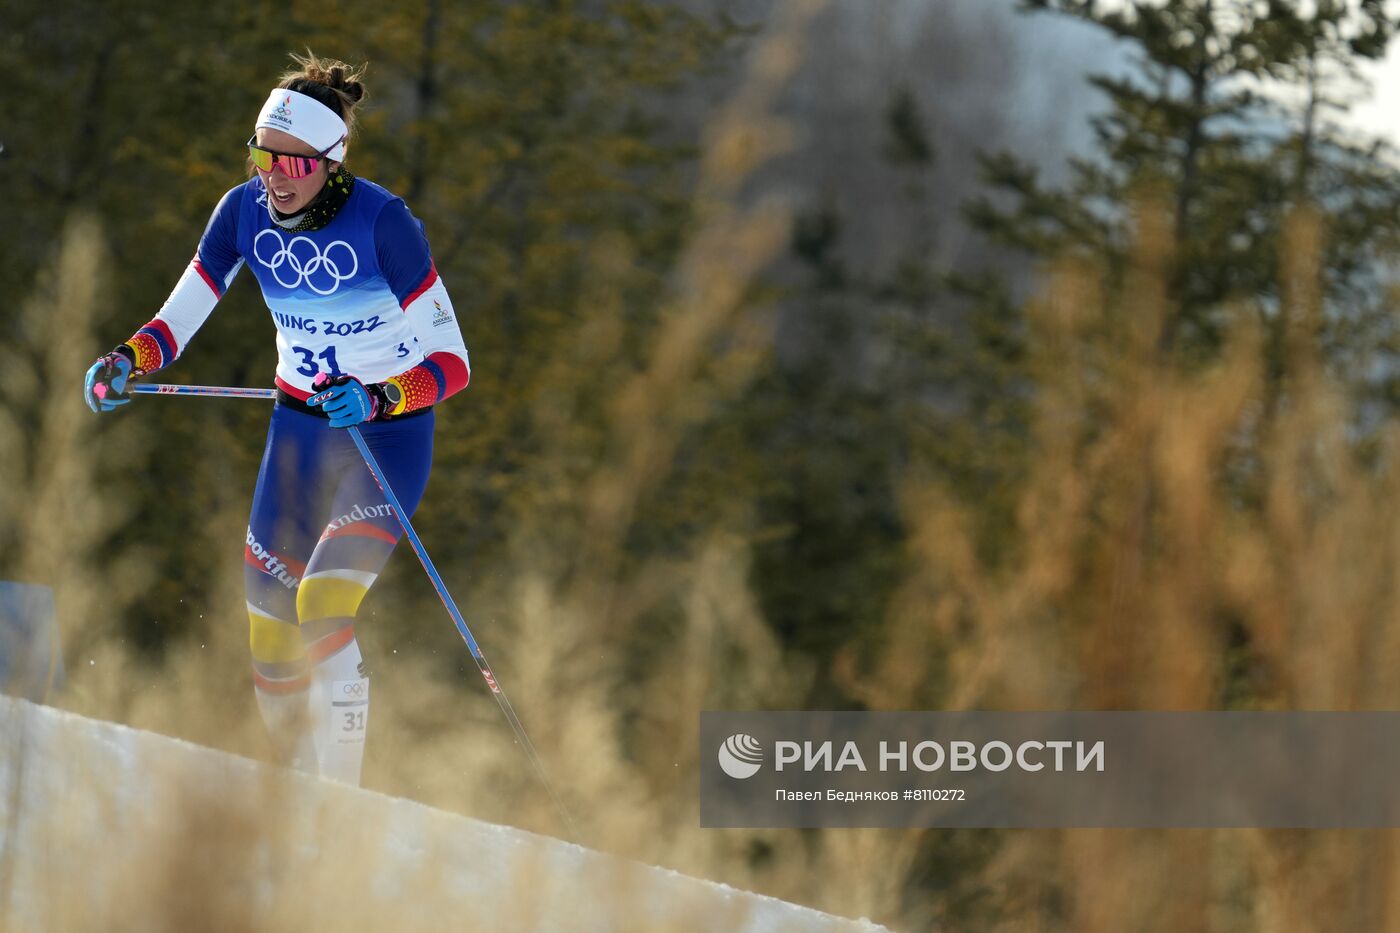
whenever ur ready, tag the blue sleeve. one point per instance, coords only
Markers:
(404, 256)
(217, 258)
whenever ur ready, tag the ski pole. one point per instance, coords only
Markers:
(224, 391)
(501, 699)
(462, 628)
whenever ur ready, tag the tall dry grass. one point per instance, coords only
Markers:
(1187, 539)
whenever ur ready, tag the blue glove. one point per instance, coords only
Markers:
(106, 381)
(346, 400)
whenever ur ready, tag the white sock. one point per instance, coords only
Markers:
(288, 720)
(340, 712)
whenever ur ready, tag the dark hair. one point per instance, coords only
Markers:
(332, 82)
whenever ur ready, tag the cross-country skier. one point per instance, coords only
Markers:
(366, 336)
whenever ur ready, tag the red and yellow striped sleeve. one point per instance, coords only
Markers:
(446, 367)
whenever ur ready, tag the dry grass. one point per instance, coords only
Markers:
(1185, 541)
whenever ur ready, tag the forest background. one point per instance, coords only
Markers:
(825, 356)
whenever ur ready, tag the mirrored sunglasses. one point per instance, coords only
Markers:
(293, 166)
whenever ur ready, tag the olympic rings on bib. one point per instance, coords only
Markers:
(306, 261)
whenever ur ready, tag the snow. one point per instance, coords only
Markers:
(107, 827)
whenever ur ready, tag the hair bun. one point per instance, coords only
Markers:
(334, 83)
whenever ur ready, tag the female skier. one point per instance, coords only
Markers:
(366, 336)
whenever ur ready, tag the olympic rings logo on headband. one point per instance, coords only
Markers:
(308, 263)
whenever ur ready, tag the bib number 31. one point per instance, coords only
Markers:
(308, 365)
(350, 700)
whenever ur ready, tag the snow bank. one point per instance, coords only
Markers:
(106, 827)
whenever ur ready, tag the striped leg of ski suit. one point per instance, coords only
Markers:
(319, 533)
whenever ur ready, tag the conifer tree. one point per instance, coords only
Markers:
(1208, 121)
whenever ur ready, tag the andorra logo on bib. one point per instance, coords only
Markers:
(300, 261)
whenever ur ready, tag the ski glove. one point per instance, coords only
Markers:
(347, 401)
(106, 381)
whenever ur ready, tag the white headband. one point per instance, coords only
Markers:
(307, 119)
